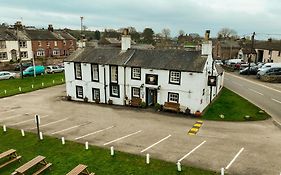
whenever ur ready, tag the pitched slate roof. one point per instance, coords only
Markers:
(151, 59)
(6, 36)
(274, 45)
(64, 35)
(41, 35)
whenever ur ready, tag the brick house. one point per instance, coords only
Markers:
(225, 49)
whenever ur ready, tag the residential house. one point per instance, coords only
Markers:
(268, 51)
(11, 43)
(154, 76)
(225, 49)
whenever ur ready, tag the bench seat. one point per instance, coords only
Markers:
(171, 106)
(136, 102)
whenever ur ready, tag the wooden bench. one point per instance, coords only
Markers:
(80, 169)
(136, 102)
(10, 155)
(171, 106)
(39, 160)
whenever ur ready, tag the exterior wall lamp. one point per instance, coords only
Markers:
(142, 85)
(159, 87)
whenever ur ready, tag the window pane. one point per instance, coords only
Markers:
(95, 72)
(136, 92)
(78, 70)
(136, 73)
(173, 97)
(175, 77)
(114, 74)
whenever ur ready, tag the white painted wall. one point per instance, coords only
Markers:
(13, 45)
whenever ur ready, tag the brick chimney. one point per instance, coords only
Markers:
(207, 45)
(50, 28)
(18, 25)
(125, 40)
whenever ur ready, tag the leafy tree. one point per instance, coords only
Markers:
(135, 36)
(181, 32)
(148, 36)
(97, 35)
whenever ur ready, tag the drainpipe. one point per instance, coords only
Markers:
(125, 92)
(104, 79)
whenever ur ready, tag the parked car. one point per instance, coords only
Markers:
(269, 71)
(24, 66)
(5, 75)
(218, 62)
(253, 70)
(53, 69)
(244, 65)
(39, 70)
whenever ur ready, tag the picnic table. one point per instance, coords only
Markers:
(39, 160)
(9, 156)
(79, 170)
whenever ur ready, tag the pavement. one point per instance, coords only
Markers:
(263, 94)
(240, 147)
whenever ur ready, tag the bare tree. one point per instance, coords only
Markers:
(166, 33)
(181, 32)
(227, 33)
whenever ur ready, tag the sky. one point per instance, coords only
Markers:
(191, 16)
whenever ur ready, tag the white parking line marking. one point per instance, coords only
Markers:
(14, 116)
(230, 163)
(122, 137)
(191, 151)
(94, 133)
(12, 110)
(51, 123)
(155, 143)
(276, 100)
(255, 91)
(67, 129)
(25, 121)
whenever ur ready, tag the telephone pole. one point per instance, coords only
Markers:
(252, 51)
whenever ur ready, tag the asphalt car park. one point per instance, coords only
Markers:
(240, 148)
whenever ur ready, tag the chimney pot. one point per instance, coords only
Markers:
(207, 35)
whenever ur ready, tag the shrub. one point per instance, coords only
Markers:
(157, 107)
(143, 104)
(86, 99)
(68, 98)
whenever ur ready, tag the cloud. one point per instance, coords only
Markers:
(189, 15)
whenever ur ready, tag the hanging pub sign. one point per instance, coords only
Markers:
(151, 79)
(212, 81)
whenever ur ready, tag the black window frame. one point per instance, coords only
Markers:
(75, 73)
(92, 71)
(132, 90)
(132, 77)
(170, 77)
(77, 95)
(110, 67)
(93, 94)
(173, 93)
(111, 87)
(146, 79)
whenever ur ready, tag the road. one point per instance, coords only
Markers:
(267, 96)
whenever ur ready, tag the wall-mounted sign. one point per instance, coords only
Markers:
(151, 79)
(212, 81)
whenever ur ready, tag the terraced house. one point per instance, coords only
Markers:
(152, 76)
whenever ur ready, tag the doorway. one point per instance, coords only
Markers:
(151, 96)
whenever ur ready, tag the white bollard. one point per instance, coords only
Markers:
(5, 91)
(20, 89)
(62, 141)
(22, 132)
(179, 166)
(112, 151)
(86, 145)
(41, 135)
(32, 86)
(222, 171)
(4, 128)
(62, 80)
(42, 84)
(53, 81)
(147, 159)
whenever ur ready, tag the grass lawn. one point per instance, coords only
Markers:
(12, 86)
(66, 157)
(233, 107)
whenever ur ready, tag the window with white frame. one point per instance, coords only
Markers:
(48, 44)
(55, 43)
(3, 56)
(39, 43)
(64, 42)
(173, 97)
(2, 44)
(23, 44)
(136, 73)
(95, 72)
(24, 54)
(78, 72)
(40, 53)
(96, 94)
(114, 74)
(175, 77)
(56, 52)
(79, 92)
(135, 92)
(114, 90)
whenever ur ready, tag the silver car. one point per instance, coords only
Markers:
(5, 75)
